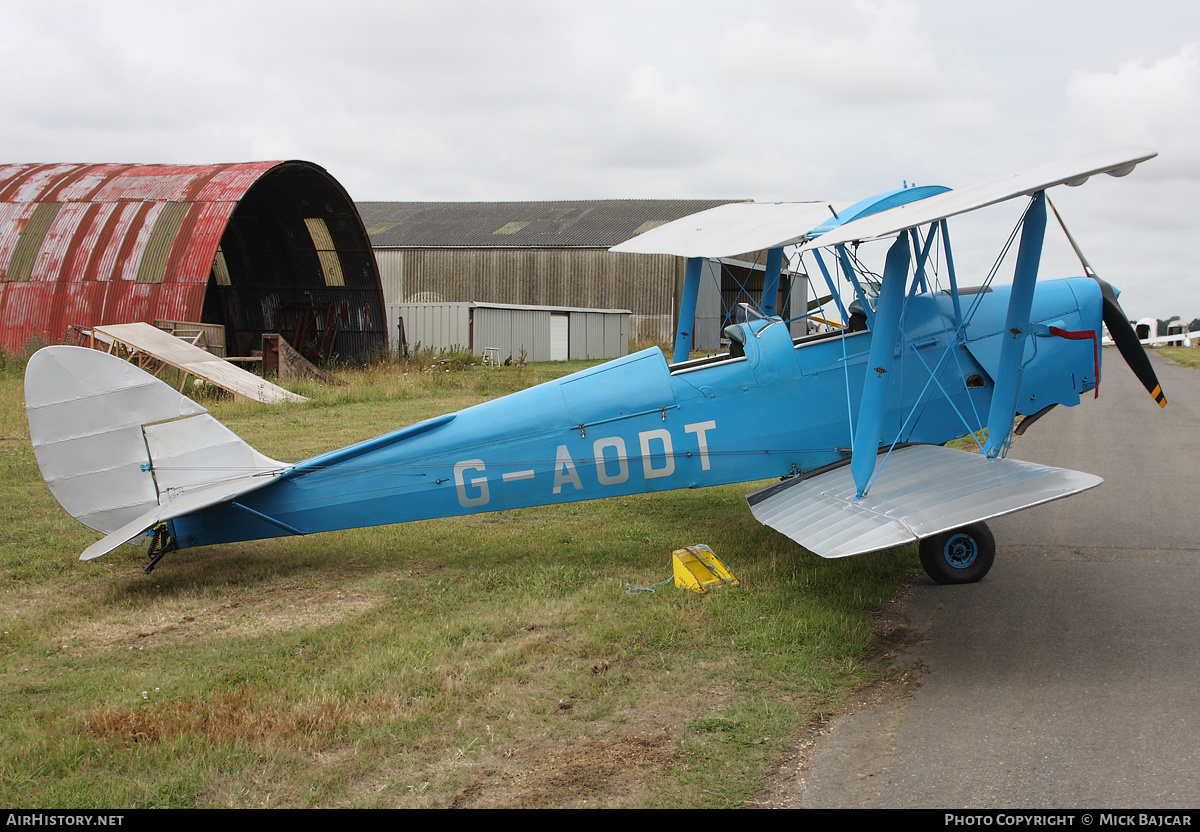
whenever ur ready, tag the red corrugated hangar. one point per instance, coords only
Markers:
(255, 247)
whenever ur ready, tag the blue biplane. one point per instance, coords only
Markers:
(851, 421)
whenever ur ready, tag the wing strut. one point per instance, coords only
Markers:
(1008, 381)
(833, 292)
(770, 293)
(687, 309)
(884, 336)
(851, 275)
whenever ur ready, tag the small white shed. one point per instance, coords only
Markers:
(545, 333)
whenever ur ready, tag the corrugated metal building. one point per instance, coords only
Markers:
(260, 246)
(550, 254)
(544, 333)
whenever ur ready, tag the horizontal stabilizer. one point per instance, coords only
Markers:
(921, 490)
(187, 502)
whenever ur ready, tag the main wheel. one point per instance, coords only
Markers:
(959, 556)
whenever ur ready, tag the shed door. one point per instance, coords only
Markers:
(559, 337)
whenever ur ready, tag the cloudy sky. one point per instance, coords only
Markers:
(526, 99)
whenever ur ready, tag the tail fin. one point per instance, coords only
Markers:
(121, 451)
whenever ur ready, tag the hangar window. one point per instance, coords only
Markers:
(331, 266)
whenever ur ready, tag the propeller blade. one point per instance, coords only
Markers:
(1119, 328)
(1127, 342)
(818, 302)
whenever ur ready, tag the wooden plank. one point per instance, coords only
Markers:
(152, 342)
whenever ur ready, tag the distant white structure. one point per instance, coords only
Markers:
(1177, 334)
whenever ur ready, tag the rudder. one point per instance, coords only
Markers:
(115, 444)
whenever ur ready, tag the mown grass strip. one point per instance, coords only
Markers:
(1187, 356)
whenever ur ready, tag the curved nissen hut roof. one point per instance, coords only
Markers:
(259, 246)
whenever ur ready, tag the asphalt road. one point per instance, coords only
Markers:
(1070, 676)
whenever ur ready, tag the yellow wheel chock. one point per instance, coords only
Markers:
(697, 568)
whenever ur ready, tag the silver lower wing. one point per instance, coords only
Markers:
(921, 491)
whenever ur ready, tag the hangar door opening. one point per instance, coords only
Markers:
(294, 259)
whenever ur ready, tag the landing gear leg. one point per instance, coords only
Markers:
(959, 556)
(160, 544)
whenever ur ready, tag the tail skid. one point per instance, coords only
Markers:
(122, 452)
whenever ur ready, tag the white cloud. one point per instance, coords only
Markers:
(861, 52)
(1155, 104)
(537, 99)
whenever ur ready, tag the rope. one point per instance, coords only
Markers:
(631, 589)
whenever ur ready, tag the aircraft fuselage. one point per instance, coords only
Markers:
(636, 424)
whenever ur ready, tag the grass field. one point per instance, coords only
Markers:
(1187, 356)
(493, 660)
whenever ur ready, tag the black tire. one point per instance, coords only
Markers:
(959, 556)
